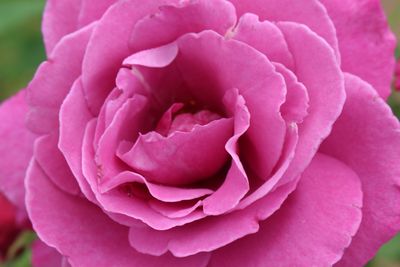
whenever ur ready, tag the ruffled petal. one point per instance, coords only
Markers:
(101, 242)
(313, 226)
(309, 12)
(366, 137)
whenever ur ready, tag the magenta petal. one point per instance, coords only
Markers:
(265, 37)
(309, 12)
(296, 105)
(196, 155)
(236, 183)
(108, 46)
(210, 65)
(160, 192)
(45, 256)
(312, 228)
(367, 138)
(128, 122)
(74, 115)
(90, 12)
(172, 22)
(53, 163)
(125, 207)
(366, 42)
(102, 242)
(16, 148)
(318, 70)
(209, 233)
(53, 80)
(60, 18)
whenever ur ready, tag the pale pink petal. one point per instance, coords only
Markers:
(210, 65)
(309, 12)
(312, 228)
(366, 137)
(265, 37)
(102, 242)
(16, 149)
(366, 42)
(108, 46)
(53, 163)
(158, 57)
(53, 80)
(172, 22)
(318, 70)
(60, 18)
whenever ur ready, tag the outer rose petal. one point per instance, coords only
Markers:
(88, 236)
(366, 137)
(308, 12)
(312, 228)
(45, 256)
(16, 149)
(366, 43)
(60, 18)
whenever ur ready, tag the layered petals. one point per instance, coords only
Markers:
(313, 226)
(366, 137)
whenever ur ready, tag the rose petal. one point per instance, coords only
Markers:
(295, 108)
(60, 18)
(319, 71)
(209, 233)
(90, 12)
(102, 242)
(196, 155)
(312, 228)
(366, 137)
(172, 22)
(309, 12)
(53, 80)
(366, 42)
(125, 207)
(16, 148)
(236, 183)
(158, 57)
(45, 256)
(53, 163)
(210, 65)
(160, 192)
(74, 115)
(265, 37)
(108, 46)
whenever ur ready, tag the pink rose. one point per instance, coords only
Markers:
(397, 76)
(209, 133)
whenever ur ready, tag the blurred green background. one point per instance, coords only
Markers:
(21, 51)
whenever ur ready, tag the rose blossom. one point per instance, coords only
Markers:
(209, 133)
(9, 228)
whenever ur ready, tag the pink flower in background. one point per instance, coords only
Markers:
(8, 226)
(207, 133)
